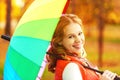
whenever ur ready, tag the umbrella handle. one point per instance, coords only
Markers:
(101, 72)
(5, 37)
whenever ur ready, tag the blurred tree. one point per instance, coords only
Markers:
(101, 22)
(8, 17)
(100, 10)
(2, 10)
(14, 12)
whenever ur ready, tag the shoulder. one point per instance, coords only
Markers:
(72, 72)
(72, 66)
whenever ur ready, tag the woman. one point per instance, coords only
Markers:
(67, 54)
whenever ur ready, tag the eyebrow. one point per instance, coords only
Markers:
(73, 33)
(69, 35)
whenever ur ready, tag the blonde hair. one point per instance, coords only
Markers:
(57, 51)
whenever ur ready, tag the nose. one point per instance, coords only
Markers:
(78, 39)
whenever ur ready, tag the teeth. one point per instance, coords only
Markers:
(76, 47)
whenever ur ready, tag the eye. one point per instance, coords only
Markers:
(71, 36)
(79, 33)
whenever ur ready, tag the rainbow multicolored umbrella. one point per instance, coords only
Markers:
(31, 39)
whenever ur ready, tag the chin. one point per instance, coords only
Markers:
(78, 53)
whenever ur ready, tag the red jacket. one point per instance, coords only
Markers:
(86, 73)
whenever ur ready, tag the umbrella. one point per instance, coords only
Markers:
(32, 36)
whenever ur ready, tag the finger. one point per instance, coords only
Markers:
(109, 74)
(106, 73)
(113, 76)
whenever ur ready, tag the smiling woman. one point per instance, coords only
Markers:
(73, 39)
(67, 56)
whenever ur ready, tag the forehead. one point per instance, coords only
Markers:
(72, 28)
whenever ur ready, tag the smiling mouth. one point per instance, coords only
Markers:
(77, 47)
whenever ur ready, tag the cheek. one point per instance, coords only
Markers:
(66, 43)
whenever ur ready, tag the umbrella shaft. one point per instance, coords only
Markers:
(101, 72)
(5, 37)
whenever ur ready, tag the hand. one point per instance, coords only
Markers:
(107, 75)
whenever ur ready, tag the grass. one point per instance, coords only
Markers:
(111, 51)
(47, 75)
(111, 48)
(110, 61)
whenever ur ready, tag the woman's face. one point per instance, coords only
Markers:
(73, 39)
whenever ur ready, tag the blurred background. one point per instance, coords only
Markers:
(101, 20)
